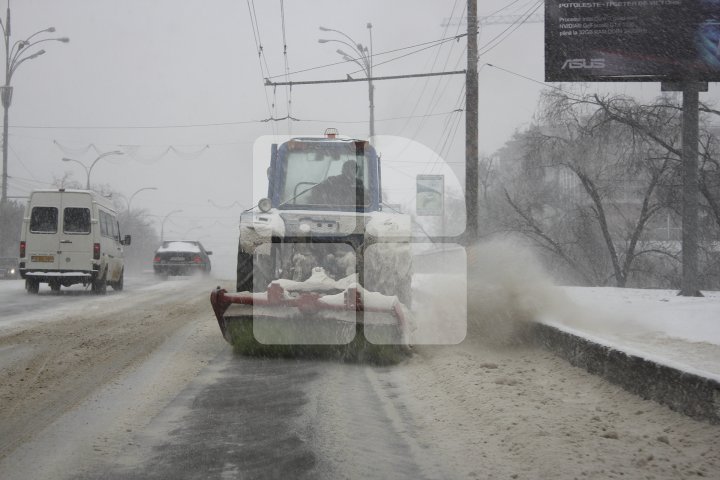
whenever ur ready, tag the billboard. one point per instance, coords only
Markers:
(643, 40)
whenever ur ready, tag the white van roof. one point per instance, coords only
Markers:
(96, 197)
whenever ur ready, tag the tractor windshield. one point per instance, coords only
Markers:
(325, 174)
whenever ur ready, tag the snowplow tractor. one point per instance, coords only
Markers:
(322, 269)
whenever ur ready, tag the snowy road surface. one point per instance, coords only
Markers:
(140, 384)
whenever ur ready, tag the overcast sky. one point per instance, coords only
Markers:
(178, 86)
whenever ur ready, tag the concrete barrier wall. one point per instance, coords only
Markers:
(693, 395)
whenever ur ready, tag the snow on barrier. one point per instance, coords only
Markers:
(684, 392)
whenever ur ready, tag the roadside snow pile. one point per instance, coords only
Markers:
(509, 291)
(658, 325)
(632, 310)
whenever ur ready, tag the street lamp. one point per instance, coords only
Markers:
(162, 225)
(136, 192)
(15, 55)
(362, 53)
(89, 170)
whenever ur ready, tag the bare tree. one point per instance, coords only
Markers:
(582, 164)
(11, 217)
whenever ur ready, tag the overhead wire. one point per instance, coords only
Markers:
(288, 88)
(436, 97)
(428, 111)
(261, 55)
(388, 119)
(431, 67)
(450, 125)
(502, 36)
(430, 43)
(20, 160)
(197, 125)
(448, 131)
(453, 128)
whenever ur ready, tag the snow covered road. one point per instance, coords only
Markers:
(145, 387)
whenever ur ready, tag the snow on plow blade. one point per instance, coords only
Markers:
(353, 324)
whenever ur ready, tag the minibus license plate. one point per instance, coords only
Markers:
(42, 258)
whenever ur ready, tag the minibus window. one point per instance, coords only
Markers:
(76, 220)
(115, 229)
(104, 231)
(43, 220)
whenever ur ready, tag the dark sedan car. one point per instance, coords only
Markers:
(181, 257)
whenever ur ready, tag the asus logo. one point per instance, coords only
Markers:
(575, 63)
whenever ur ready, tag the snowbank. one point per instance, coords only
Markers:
(658, 325)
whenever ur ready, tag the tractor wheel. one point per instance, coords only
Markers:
(244, 272)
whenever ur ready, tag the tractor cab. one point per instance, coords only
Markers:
(326, 173)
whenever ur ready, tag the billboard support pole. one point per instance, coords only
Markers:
(689, 286)
(690, 123)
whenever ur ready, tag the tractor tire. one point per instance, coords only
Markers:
(244, 272)
(55, 287)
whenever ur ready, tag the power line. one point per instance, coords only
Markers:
(436, 96)
(405, 55)
(425, 84)
(544, 84)
(134, 127)
(261, 55)
(434, 42)
(247, 122)
(518, 21)
(389, 119)
(349, 79)
(288, 88)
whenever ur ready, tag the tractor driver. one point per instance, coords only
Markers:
(343, 189)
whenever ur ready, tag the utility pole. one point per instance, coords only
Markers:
(471, 127)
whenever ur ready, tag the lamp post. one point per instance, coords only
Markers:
(15, 55)
(89, 170)
(136, 192)
(162, 225)
(364, 58)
